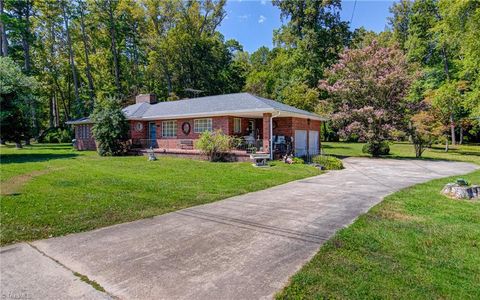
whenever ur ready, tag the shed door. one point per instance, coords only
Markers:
(313, 142)
(300, 142)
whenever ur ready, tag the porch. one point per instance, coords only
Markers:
(251, 134)
(234, 154)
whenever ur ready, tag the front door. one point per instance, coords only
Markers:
(300, 142)
(252, 128)
(152, 138)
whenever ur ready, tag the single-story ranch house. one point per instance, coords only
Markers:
(260, 124)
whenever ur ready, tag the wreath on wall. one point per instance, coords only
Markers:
(186, 128)
(138, 126)
(274, 124)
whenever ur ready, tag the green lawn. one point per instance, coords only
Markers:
(469, 153)
(53, 190)
(416, 244)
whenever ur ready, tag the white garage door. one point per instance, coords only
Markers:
(300, 142)
(313, 142)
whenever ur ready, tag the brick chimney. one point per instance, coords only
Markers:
(146, 98)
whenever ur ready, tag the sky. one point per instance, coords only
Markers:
(251, 22)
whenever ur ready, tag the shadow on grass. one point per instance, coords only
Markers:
(333, 147)
(34, 157)
(393, 157)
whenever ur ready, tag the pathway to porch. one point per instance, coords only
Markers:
(245, 247)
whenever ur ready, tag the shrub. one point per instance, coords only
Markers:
(214, 144)
(56, 135)
(110, 128)
(328, 162)
(376, 148)
(297, 160)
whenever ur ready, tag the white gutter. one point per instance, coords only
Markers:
(271, 134)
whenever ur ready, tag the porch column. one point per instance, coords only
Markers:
(266, 132)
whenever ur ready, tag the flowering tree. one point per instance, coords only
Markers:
(368, 88)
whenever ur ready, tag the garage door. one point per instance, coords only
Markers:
(300, 142)
(313, 137)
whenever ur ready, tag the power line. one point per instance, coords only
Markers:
(353, 11)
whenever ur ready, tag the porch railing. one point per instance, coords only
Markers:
(144, 143)
(248, 145)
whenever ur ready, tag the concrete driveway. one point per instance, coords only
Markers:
(244, 247)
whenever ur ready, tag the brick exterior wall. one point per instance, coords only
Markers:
(285, 126)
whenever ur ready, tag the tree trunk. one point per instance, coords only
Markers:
(27, 141)
(3, 34)
(91, 90)
(56, 112)
(418, 150)
(50, 112)
(452, 129)
(70, 53)
(18, 144)
(461, 135)
(113, 46)
(446, 145)
(26, 40)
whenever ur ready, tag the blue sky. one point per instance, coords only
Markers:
(252, 22)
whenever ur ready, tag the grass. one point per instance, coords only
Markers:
(468, 153)
(416, 244)
(64, 191)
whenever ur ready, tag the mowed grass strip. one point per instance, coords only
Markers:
(416, 244)
(468, 153)
(82, 191)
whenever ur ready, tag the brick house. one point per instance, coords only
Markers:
(172, 127)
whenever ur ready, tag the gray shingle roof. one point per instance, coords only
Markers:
(229, 104)
(221, 104)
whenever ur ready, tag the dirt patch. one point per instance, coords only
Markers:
(13, 185)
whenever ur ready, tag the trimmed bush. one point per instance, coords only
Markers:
(376, 148)
(297, 160)
(215, 144)
(328, 162)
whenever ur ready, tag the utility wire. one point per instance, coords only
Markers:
(353, 11)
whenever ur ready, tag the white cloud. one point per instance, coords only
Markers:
(261, 19)
(243, 17)
(263, 2)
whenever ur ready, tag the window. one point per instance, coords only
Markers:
(237, 125)
(169, 128)
(201, 125)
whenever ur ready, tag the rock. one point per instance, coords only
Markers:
(457, 191)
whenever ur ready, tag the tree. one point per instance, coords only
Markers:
(368, 88)
(110, 128)
(442, 38)
(315, 30)
(401, 14)
(3, 32)
(426, 129)
(16, 92)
